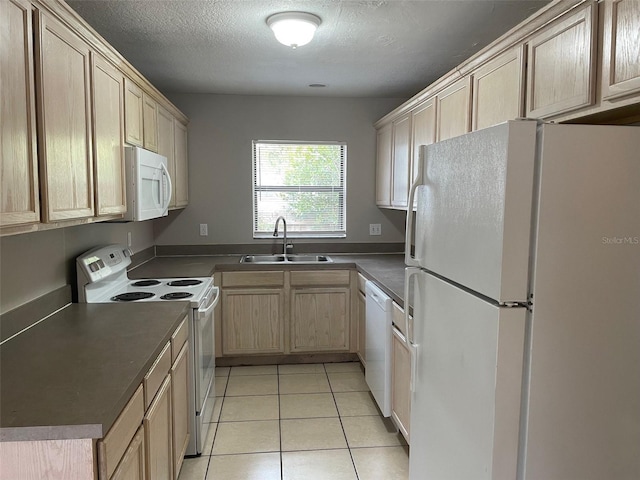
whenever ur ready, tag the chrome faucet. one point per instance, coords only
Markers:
(275, 233)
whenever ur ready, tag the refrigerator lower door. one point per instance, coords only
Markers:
(465, 408)
(473, 221)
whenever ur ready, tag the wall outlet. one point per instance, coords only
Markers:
(375, 229)
(204, 229)
(129, 239)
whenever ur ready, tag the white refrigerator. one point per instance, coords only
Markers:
(525, 287)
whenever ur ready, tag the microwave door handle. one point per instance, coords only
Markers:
(168, 186)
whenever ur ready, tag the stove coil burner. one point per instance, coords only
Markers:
(132, 296)
(145, 283)
(176, 296)
(184, 283)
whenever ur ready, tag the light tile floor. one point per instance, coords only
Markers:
(298, 422)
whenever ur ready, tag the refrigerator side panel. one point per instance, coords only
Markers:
(467, 385)
(584, 390)
(473, 219)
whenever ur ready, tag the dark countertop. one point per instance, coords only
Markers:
(71, 375)
(386, 270)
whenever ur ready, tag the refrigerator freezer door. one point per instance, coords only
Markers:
(584, 396)
(473, 223)
(468, 381)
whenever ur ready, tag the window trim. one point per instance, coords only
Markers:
(343, 186)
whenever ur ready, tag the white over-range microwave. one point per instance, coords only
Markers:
(148, 184)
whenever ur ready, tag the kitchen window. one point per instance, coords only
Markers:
(305, 182)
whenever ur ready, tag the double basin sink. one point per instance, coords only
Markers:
(285, 259)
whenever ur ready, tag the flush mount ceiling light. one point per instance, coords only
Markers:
(294, 29)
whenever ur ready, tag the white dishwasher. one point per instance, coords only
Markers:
(379, 318)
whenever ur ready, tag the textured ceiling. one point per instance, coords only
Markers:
(363, 48)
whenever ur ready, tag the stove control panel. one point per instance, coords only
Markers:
(102, 262)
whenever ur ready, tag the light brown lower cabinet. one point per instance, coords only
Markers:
(362, 327)
(180, 407)
(401, 382)
(132, 465)
(158, 435)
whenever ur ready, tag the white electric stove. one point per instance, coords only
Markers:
(102, 278)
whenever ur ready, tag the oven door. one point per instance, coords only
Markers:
(204, 348)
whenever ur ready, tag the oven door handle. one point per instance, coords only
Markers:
(212, 305)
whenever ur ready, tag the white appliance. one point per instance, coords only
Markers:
(526, 311)
(148, 184)
(102, 278)
(378, 322)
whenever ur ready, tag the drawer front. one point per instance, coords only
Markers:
(113, 446)
(329, 278)
(154, 378)
(361, 282)
(179, 338)
(398, 318)
(253, 279)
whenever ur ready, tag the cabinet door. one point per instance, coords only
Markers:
(132, 465)
(453, 109)
(180, 407)
(108, 137)
(621, 49)
(400, 383)
(166, 146)
(64, 100)
(423, 127)
(150, 122)
(401, 161)
(181, 184)
(252, 321)
(20, 201)
(383, 166)
(157, 435)
(362, 322)
(320, 319)
(561, 60)
(133, 113)
(498, 93)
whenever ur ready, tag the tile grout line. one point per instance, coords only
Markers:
(280, 425)
(206, 471)
(353, 463)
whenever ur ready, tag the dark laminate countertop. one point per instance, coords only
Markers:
(386, 270)
(71, 375)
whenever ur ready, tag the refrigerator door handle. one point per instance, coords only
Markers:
(408, 319)
(409, 259)
(413, 349)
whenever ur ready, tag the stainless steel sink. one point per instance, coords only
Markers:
(285, 259)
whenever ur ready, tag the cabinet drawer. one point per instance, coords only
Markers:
(253, 279)
(320, 277)
(361, 282)
(154, 378)
(178, 339)
(398, 318)
(113, 446)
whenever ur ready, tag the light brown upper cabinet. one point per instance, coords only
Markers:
(181, 156)
(108, 137)
(166, 145)
(453, 111)
(20, 203)
(383, 166)
(401, 161)
(621, 48)
(150, 122)
(498, 90)
(561, 64)
(64, 124)
(423, 125)
(133, 113)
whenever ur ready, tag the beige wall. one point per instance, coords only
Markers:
(33, 264)
(220, 133)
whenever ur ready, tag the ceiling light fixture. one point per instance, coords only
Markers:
(294, 29)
